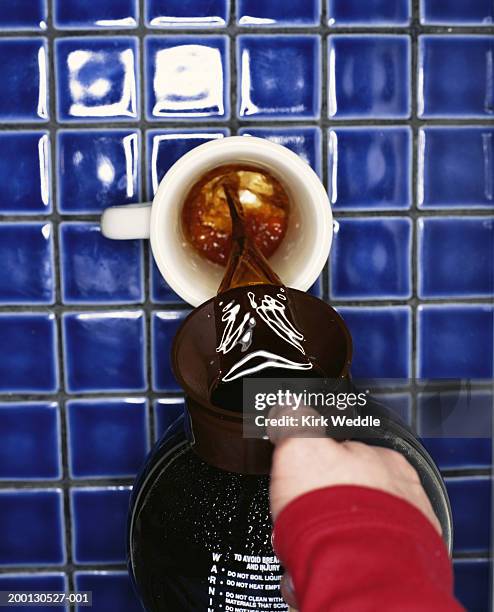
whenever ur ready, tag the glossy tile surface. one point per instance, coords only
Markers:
(97, 78)
(28, 353)
(163, 328)
(370, 168)
(305, 142)
(96, 269)
(455, 76)
(471, 504)
(456, 257)
(261, 95)
(455, 341)
(368, 76)
(186, 13)
(27, 273)
(24, 15)
(160, 290)
(186, 77)
(25, 173)
(96, 169)
(111, 591)
(104, 351)
(24, 73)
(371, 259)
(165, 147)
(456, 167)
(108, 438)
(166, 412)
(99, 517)
(381, 341)
(457, 12)
(31, 527)
(370, 12)
(81, 14)
(278, 12)
(31, 441)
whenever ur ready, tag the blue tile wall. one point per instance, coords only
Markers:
(97, 168)
(26, 252)
(25, 171)
(107, 437)
(391, 103)
(261, 95)
(383, 157)
(368, 76)
(93, 270)
(53, 581)
(100, 517)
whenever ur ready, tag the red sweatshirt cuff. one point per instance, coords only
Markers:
(361, 546)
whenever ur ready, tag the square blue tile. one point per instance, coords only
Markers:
(304, 141)
(186, 13)
(316, 289)
(28, 353)
(36, 582)
(369, 76)
(97, 169)
(456, 257)
(111, 590)
(31, 527)
(473, 583)
(371, 259)
(24, 73)
(471, 504)
(370, 168)
(456, 75)
(81, 14)
(161, 292)
(26, 253)
(97, 78)
(381, 341)
(166, 412)
(262, 94)
(24, 15)
(456, 167)
(455, 427)
(25, 172)
(107, 437)
(99, 524)
(98, 270)
(457, 12)
(165, 147)
(368, 13)
(31, 448)
(399, 404)
(187, 77)
(455, 341)
(164, 327)
(278, 13)
(104, 351)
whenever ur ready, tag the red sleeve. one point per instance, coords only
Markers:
(356, 549)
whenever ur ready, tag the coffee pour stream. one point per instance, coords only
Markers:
(199, 525)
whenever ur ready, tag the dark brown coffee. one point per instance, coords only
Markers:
(206, 219)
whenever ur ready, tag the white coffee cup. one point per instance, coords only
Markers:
(301, 255)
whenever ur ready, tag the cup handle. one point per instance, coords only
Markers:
(127, 222)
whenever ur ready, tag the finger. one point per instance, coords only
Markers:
(287, 591)
(285, 422)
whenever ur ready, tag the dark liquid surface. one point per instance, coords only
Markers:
(206, 220)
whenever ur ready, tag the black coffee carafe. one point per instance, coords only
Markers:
(199, 526)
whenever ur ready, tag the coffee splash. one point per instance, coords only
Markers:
(256, 331)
